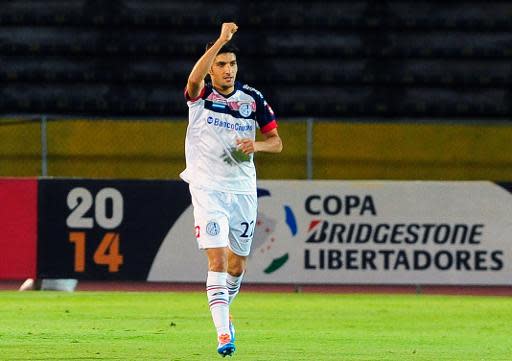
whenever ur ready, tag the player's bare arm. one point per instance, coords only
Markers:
(196, 78)
(271, 144)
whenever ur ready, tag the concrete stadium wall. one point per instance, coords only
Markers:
(342, 150)
(413, 151)
(20, 149)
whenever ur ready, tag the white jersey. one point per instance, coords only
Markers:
(215, 123)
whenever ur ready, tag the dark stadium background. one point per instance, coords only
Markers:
(350, 59)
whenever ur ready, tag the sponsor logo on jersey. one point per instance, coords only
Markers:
(250, 88)
(216, 122)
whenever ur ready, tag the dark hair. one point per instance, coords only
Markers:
(227, 48)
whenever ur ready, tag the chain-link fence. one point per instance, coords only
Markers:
(313, 149)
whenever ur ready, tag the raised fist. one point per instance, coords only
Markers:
(228, 29)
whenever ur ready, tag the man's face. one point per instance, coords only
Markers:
(223, 71)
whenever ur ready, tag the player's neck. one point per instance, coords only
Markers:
(224, 90)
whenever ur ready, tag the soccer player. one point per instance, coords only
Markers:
(219, 149)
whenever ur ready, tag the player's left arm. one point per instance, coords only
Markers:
(272, 143)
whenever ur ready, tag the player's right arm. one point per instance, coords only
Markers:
(196, 78)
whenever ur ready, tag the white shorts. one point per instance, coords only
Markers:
(224, 219)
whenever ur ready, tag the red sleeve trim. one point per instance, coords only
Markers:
(201, 93)
(270, 126)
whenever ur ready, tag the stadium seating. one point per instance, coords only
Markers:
(328, 58)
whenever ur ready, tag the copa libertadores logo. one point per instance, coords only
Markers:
(266, 237)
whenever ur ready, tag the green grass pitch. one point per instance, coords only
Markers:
(270, 327)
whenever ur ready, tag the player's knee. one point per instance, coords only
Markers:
(217, 265)
(217, 260)
(236, 269)
(236, 273)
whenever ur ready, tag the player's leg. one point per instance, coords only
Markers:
(216, 289)
(211, 225)
(242, 223)
(218, 298)
(236, 270)
(241, 228)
